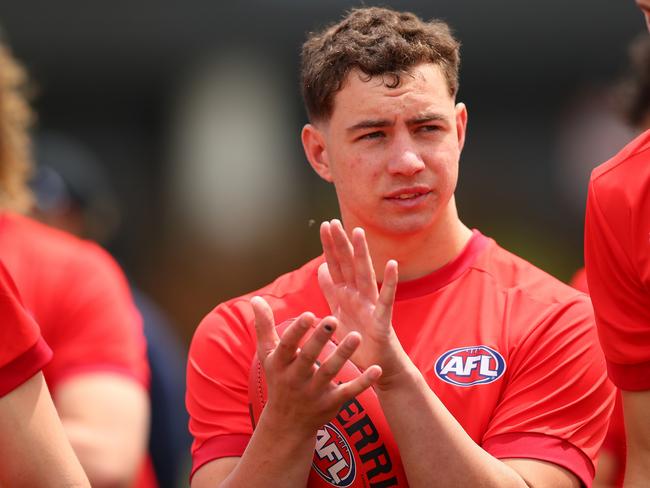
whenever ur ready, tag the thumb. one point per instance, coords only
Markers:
(267, 336)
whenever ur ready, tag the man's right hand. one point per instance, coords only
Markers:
(301, 394)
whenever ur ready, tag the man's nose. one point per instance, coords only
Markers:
(405, 157)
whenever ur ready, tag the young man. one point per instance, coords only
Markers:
(78, 295)
(385, 129)
(617, 259)
(34, 450)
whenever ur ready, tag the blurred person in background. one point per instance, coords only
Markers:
(633, 99)
(73, 193)
(79, 297)
(617, 261)
(380, 89)
(34, 450)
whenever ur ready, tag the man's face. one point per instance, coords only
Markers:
(392, 153)
(644, 5)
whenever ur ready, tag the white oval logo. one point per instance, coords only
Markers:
(469, 366)
(333, 458)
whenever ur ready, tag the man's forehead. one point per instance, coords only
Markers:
(424, 85)
(389, 79)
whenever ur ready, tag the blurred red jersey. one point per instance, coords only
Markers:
(614, 442)
(23, 352)
(510, 351)
(81, 301)
(617, 257)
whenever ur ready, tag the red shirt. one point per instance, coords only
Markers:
(81, 300)
(614, 441)
(23, 352)
(617, 257)
(487, 330)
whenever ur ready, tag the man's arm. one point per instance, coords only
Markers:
(34, 450)
(301, 398)
(636, 405)
(106, 418)
(453, 458)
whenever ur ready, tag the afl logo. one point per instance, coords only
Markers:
(469, 366)
(333, 458)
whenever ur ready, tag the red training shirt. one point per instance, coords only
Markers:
(617, 257)
(81, 300)
(487, 330)
(614, 441)
(23, 352)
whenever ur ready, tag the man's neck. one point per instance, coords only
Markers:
(422, 253)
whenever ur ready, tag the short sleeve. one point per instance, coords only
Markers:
(218, 369)
(558, 400)
(617, 256)
(23, 352)
(95, 326)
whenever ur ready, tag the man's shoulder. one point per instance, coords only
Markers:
(517, 277)
(21, 234)
(628, 169)
(40, 257)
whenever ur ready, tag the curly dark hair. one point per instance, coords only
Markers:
(377, 41)
(15, 120)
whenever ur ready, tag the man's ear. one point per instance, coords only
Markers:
(313, 142)
(461, 124)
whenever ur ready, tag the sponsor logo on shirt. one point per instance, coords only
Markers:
(469, 366)
(333, 458)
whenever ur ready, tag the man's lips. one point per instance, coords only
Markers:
(408, 193)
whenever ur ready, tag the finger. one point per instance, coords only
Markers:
(312, 348)
(328, 287)
(329, 251)
(351, 389)
(335, 361)
(267, 337)
(384, 308)
(287, 348)
(364, 271)
(344, 252)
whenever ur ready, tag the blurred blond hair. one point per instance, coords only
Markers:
(15, 120)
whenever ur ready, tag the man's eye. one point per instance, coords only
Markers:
(372, 135)
(429, 128)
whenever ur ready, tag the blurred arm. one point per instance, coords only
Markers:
(636, 405)
(106, 418)
(34, 451)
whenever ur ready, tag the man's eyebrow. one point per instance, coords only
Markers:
(379, 123)
(370, 124)
(426, 117)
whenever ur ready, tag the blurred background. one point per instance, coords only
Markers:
(180, 122)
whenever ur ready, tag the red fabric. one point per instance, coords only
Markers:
(23, 352)
(543, 447)
(78, 296)
(614, 442)
(579, 281)
(617, 256)
(81, 300)
(218, 447)
(554, 382)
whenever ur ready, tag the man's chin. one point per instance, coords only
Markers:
(405, 227)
